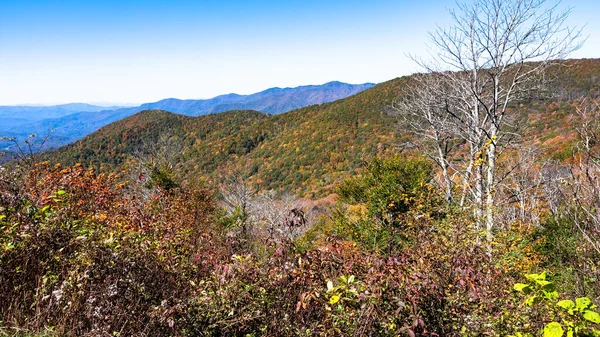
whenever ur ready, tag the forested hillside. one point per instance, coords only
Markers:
(306, 151)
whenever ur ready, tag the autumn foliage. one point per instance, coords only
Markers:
(87, 254)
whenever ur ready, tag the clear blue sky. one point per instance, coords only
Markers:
(141, 51)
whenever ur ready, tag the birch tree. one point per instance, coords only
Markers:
(493, 54)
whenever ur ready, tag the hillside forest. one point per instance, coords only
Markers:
(460, 201)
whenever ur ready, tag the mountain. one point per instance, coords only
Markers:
(307, 150)
(38, 113)
(21, 121)
(308, 147)
(273, 101)
(72, 121)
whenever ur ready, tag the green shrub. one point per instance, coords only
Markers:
(388, 187)
(378, 205)
(543, 313)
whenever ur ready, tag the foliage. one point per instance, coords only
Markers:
(388, 187)
(559, 317)
(84, 254)
(80, 255)
(375, 205)
(568, 255)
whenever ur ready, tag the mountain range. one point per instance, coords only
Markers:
(70, 122)
(306, 151)
(37, 113)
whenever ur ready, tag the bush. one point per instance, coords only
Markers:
(81, 255)
(378, 205)
(543, 313)
(85, 254)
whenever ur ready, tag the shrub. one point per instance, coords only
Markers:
(376, 206)
(82, 255)
(543, 313)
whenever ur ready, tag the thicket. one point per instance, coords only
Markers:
(91, 254)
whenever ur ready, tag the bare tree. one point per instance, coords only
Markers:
(283, 217)
(15, 165)
(25, 151)
(582, 189)
(422, 111)
(264, 217)
(156, 165)
(521, 191)
(237, 196)
(494, 54)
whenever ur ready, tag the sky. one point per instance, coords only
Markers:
(130, 52)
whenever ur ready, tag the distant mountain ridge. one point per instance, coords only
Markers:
(36, 113)
(71, 122)
(272, 101)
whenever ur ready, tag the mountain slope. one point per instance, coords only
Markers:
(112, 145)
(305, 151)
(21, 121)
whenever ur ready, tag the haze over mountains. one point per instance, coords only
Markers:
(70, 122)
(36, 113)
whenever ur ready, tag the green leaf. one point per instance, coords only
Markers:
(351, 279)
(532, 300)
(551, 295)
(532, 277)
(553, 329)
(9, 246)
(545, 284)
(592, 316)
(536, 277)
(61, 192)
(570, 332)
(583, 303)
(566, 304)
(520, 286)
